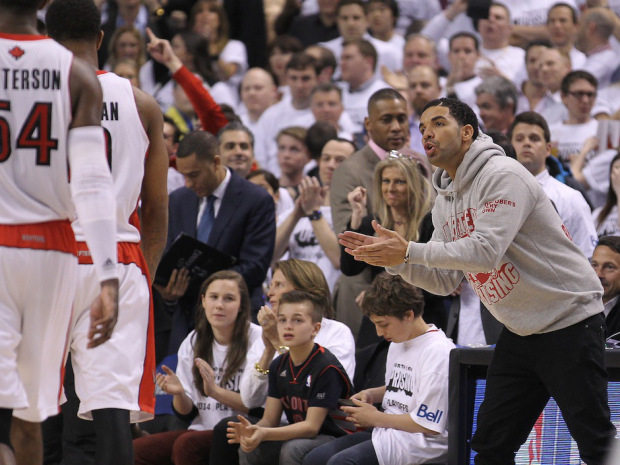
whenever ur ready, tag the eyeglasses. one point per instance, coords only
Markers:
(579, 94)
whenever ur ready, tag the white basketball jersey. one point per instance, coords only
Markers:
(35, 115)
(126, 145)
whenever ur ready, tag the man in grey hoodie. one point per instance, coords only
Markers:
(495, 226)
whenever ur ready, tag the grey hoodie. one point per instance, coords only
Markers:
(496, 226)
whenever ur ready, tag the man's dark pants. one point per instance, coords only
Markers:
(567, 364)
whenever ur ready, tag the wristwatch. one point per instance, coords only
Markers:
(315, 215)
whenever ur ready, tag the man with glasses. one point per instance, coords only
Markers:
(578, 92)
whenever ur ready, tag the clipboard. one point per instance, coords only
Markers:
(199, 258)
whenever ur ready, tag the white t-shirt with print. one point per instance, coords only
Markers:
(416, 381)
(304, 245)
(570, 137)
(609, 226)
(210, 411)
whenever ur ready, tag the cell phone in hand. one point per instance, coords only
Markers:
(346, 403)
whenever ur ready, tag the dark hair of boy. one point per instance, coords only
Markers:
(317, 307)
(392, 296)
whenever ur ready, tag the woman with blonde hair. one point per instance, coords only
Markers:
(126, 42)
(402, 202)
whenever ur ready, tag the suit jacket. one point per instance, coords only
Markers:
(357, 170)
(245, 227)
(613, 322)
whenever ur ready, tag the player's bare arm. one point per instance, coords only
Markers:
(86, 100)
(154, 195)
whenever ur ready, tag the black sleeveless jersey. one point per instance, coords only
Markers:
(318, 382)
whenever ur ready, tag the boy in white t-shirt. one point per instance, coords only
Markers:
(412, 427)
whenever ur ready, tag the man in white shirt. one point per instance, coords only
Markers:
(533, 93)
(595, 29)
(358, 63)
(382, 16)
(554, 66)
(496, 98)
(530, 137)
(579, 90)
(423, 82)
(326, 105)
(562, 25)
(301, 76)
(258, 92)
(497, 56)
(463, 55)
(353, 25)
(419, 50)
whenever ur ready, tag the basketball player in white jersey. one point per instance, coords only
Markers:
(50, 121)
(114, 382)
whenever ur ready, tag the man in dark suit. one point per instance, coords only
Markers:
(606, 262)
(387, 124)
(223, 210)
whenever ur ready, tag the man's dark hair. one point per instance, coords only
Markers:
(384, 94)
(236, 126)
(392, 5)
(327, 87)
(467, 35)
(301, 61)
(326, 58)
(460, 111)
(392, 296)
(367, 50)
(317, 136)
(533, 118)
(359, 3)
(73, 20)
(269, 177)
(202, 143)
(575, 76)
(562, 4)
(286, 44)
(503, 141)
(613, 242)
(536, 43)
(317, 304)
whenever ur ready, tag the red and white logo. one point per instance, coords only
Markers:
(495, 285)
(17, 52)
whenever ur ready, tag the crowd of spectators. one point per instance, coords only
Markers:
(290, 121)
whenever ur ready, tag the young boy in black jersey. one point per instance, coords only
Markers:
(304, 383)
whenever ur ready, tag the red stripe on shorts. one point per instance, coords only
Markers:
(128, 253)
(52, 235)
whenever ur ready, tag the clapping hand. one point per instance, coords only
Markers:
(311, 195)
(169, 383)
(208, 376)
(387, 248)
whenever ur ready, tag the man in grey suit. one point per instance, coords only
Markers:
(387, 125)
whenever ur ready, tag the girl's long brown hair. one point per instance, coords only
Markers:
(204, 338)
